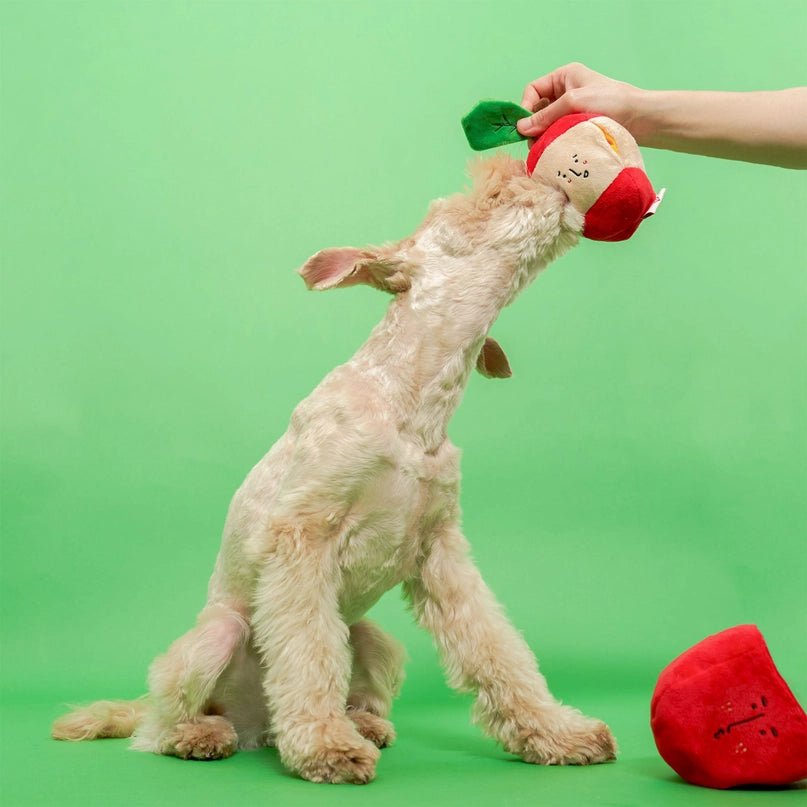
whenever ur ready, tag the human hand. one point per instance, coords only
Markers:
(711, 123)
(576, 88)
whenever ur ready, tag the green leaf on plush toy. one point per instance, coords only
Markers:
(493, 123)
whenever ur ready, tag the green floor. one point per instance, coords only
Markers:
(439, 759)
(636, 486)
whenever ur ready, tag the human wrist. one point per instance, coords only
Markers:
(678, 119)
(646, 122)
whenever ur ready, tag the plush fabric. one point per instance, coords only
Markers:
(723, 716)
(591, 158)
(493, 123)
(618, 212)
(597, 164)
(552, 133)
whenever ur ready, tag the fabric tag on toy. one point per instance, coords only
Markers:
(654, 207)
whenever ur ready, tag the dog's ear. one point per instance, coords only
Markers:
(347, 266)
(492, 362)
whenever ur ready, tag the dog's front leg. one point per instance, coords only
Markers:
(304, 644)
(485, 654)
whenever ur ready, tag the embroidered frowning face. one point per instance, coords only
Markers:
(753, 733)
(744, 725)
(723, 716)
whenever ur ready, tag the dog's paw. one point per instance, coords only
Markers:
(335, 753)
(568, 739)
(376, 729)
(210, 737)
(350, 764)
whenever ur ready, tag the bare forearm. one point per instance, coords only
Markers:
(762, 127)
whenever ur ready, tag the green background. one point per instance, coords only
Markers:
(640, 482)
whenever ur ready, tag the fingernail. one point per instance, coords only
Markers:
(524, 125)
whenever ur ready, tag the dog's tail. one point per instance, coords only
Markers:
(100, 719)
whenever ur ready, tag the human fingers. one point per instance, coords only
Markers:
(550, 86)
(543, 118)
(530, 98)
(560, 80)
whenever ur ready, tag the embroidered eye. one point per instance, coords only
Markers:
(609, 137)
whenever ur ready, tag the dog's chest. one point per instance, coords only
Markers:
(384, 533)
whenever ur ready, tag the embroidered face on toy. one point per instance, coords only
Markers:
(591, 158)
(597, 164)
(723, 716)
(760, 709)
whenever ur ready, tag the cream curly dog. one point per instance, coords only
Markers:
(359, 495)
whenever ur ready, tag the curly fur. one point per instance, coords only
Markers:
(359, 495)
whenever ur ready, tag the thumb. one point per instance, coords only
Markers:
(539, 121)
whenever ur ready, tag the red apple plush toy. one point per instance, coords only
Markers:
(723, 716)
(591, 158)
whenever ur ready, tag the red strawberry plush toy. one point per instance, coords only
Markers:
(723, 716)
(591, 158)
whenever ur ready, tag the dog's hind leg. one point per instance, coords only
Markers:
(303, 642)
(181, 720)
(377, 675)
